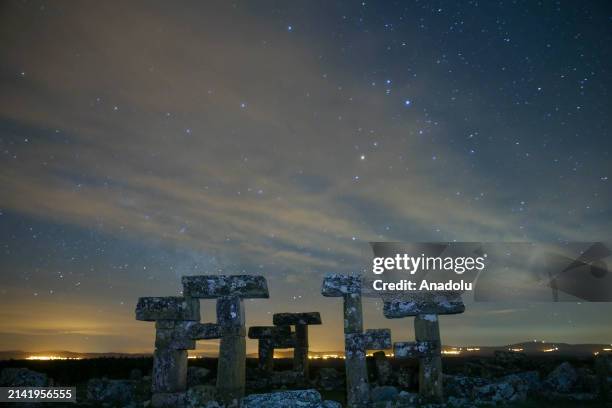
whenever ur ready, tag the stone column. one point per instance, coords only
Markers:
(232, 349)
(356, 343)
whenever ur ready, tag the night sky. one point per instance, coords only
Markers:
(144, 141)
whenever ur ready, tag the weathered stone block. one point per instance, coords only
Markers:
(205, 331)
(215, 286)
(416, 349)
(439, 304)
(169, 371)
(231, 369)
(167, 308)
(230, 311)
(176, 339)
(259, 332)
(336, 285)
(377, 339)
(373, 339)
(306, 318)
(284, 342)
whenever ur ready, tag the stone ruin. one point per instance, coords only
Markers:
(427, 347)
(356, 341)
(281, 336)
(178, 327)
(177, 324)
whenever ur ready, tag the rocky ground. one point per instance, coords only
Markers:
(507, 380)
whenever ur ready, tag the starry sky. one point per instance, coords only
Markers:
(143, 141)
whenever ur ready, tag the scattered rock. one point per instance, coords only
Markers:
(562, 379)
(329, 379)
(288, 399)
(531, 380)
(23, 377)
(384, 393)
(200, 395)
(510, 389)
(115, 392)
(461, 386)
(196, 376)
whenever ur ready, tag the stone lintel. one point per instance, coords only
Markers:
(372, 339)
(416, 349)
(215, 286)
(377, 339)
(306, 318)
(438, 305)
(263, 332)
(338, 285)
(205, 331)
(167, 308)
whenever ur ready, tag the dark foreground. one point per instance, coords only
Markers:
(510, 380)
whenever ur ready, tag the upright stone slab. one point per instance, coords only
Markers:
(229, 290)
(427, 347)
(301, 321)
(270, 338)
(356, 342)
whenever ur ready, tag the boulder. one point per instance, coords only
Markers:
(288, 399)
(23, 377)
(510, 389)
(562, 379)
(113, 392)
(461, 386)
(531, 380)
(384, 393)
(200, 396)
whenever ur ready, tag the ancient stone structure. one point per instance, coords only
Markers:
(270, 338)
(281, 336)
(177, 328)
(427, 347)
(301, 321)
(229, 292)
(356, 341)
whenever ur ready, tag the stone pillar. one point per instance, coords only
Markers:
(300, 351)
(356, 343)
(427, 347)
(232, 349)
(229, 290)
(301, 321)
(427, 329)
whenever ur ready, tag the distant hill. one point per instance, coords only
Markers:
(527, 347)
